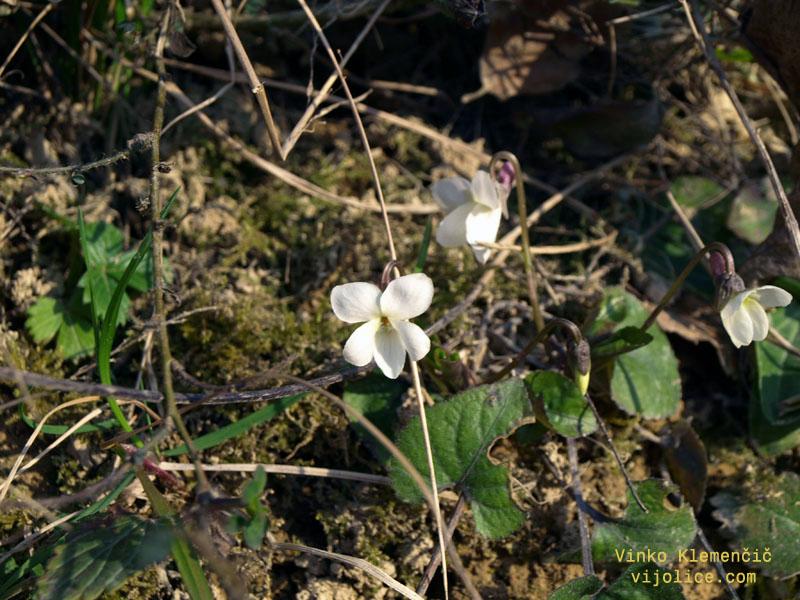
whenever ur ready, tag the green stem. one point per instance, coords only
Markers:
(522, 207)
(712, 247)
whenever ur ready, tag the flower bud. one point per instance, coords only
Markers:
(728, 285)
(580, 359)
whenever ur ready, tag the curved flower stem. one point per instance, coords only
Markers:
(722, 249)
(540, 336)
(522, 207)
(437, 511)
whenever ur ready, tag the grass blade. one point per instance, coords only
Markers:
(189, 567)
(215, 438)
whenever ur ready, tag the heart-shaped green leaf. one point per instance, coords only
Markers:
(462, 431)
(775, 406)
(646, 381)
(559, 404)
(98, 558)
(663, 529)
(765, 517)
(779, 370)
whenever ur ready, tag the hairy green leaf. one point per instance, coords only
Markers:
(767, 516)
(559, 404)
(76, 336)
(664, 528)
(646, 381)
(103, 241)
(462, 431)
(97, 558)
(251, 496)
(98, 282)
(45, 318)
(583, 588)
(753, 211)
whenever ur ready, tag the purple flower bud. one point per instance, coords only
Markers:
(718, 266)
(506, 176)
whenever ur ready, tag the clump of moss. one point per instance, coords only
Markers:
(142, 586)
(374, 530)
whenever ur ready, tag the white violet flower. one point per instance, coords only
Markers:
(387, 334)
(744, 317)
(473, 211)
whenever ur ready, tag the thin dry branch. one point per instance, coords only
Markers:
(138, 143)
(353, 561)
(324, 92)
(42, 14)
(695, 19)
(281, 470)
(255, 85)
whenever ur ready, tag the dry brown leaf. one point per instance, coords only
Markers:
(687, 462)
(533, 50)
(699, 327)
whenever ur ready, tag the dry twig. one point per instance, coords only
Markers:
(697, 26)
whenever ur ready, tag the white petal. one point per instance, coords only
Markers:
(360, 346)
(482, 225)
(407, 297)
(451, 193)
(390, 354)
(758, 317)
(452, 231)
(736, 320)
(481, 253)
(356, 302)
(484, 190)
(414, 339)
(771, 296)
